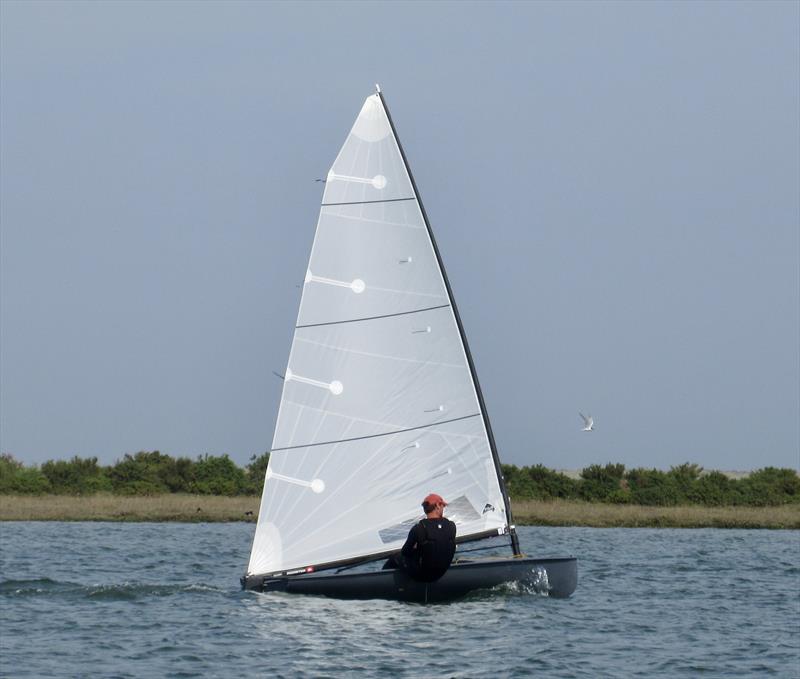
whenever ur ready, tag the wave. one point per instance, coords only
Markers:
(538, 586)
(126, 591)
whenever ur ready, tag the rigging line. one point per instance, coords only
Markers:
(366, 202)
(372, 318)
(372, 436)
(479, 549)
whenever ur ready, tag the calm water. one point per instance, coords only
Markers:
(163, 600)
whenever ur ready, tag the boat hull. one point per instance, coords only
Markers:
(555, 577)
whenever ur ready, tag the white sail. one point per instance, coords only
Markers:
(379, 406)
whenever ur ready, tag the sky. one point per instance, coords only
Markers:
(614, 188)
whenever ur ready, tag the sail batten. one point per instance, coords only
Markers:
(373, 318)
(367, 202)
(380, 404)
(373, 436)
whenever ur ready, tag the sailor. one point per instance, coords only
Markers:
(430, 545)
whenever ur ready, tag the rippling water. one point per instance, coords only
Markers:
(163, 600)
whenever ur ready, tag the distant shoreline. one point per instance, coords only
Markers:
(180, 507)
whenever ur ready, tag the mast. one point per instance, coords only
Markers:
(492, 445)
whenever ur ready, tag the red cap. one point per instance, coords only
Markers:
(434, 499)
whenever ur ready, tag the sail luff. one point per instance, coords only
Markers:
(487, 424)
(261, 506)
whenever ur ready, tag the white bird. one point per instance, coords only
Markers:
(588, 422)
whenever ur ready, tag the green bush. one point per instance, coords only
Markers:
(548, 484)
(769, 486)
(712, 490)
(256, 472)
(78, 476)
(218, 476)
(684, 477)
(144, 473)
(178, 474)
(17, 478)
(517, 485)
(150, 473)
(602, 483)
(538, 483)
(653, 487)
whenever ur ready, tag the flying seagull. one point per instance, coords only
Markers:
(588, 422)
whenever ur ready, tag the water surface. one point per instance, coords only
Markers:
(163, 600)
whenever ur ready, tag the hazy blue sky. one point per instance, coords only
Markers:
(614, 188)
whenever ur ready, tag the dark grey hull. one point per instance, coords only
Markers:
(556, 577)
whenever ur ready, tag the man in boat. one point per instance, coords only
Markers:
(430, 545)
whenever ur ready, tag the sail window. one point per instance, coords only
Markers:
(460, 511)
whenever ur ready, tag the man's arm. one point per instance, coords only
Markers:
(411, 542)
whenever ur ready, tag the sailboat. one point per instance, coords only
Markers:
(381, 404)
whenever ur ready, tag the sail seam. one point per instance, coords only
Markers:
(370, 354)
(373, 436)
(372, 318)
(365, 202)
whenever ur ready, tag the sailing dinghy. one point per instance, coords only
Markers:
(381, 403)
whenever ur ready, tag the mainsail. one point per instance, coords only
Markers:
(380, 405)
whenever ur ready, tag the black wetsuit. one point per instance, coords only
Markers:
(428, 550)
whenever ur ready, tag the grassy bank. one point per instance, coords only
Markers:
(597, 515)
(196, 508)
(108, 507)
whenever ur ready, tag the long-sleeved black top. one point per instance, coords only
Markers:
(429, 548)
